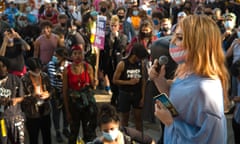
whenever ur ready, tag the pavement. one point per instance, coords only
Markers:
(149, 128)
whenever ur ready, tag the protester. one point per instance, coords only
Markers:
(46, 43)
(199, 91)
(125, 27)
(79, 101)
(114, 50)
(130, 78)
(73, 37)
(36, 104)
(11, 115)
(13, 48)
(112, 132)
(145, 36)
(55, 73)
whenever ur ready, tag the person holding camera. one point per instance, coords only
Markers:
(55, 71)
(13, 48)
(36, 104)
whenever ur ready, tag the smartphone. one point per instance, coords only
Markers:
(167, 103)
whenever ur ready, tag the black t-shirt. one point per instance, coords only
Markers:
(15, 56)
(11, 88)
(131, 70)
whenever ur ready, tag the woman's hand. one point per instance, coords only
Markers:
(153, 73)
(134, 81)
(16, 100)
(44, 95)
(162, 113)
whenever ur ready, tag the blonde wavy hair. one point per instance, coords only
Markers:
(203, 43)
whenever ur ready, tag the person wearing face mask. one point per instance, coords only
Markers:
(49, 13)
(22, 21)
(112, 132)
(74, 13)
(229, 25)
(62, 24)
(134, 18)
(85, 6)
(55, 71)
(36, 104)
(165, 27)
(11, 11)
(79, 101)
(199, 90)
(11, 115)
(73, 36)
(13, 47)
(156, 18)
(125, 27)
(129, 76)
(145, 36)
(105, 10)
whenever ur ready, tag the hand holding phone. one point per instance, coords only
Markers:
(163, 98)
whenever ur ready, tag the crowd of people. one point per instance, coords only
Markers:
(50, 65)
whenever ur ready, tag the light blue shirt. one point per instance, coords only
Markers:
(201, 120)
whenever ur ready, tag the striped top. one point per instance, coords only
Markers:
(54, 72)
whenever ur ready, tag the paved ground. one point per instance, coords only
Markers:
(152, 129)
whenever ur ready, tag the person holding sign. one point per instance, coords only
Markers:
(199, 89)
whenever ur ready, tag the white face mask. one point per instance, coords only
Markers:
(34, 73)
(229, 25)
(72, 7)
(111, 135)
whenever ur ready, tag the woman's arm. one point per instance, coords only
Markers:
(65, 95)
(36, 49)
(4, 44)
(230, 50)
(24, 45)
(91, 74)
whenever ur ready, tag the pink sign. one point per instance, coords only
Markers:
(100, 32)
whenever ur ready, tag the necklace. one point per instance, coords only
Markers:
(77, 70)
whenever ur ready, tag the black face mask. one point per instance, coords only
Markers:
(165, 29)
(120, 17)
(85, 3)
(146, 35)
(63, 24)
(103, 9)
(49, 15)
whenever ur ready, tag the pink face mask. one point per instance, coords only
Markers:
(178, 54)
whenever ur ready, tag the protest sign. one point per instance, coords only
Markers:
(100, 32)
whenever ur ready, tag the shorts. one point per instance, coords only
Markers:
(128, 99)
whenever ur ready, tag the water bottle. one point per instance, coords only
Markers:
(80, 140)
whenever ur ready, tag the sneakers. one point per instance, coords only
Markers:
(108, 90)
(59, 137)
(66, 133)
